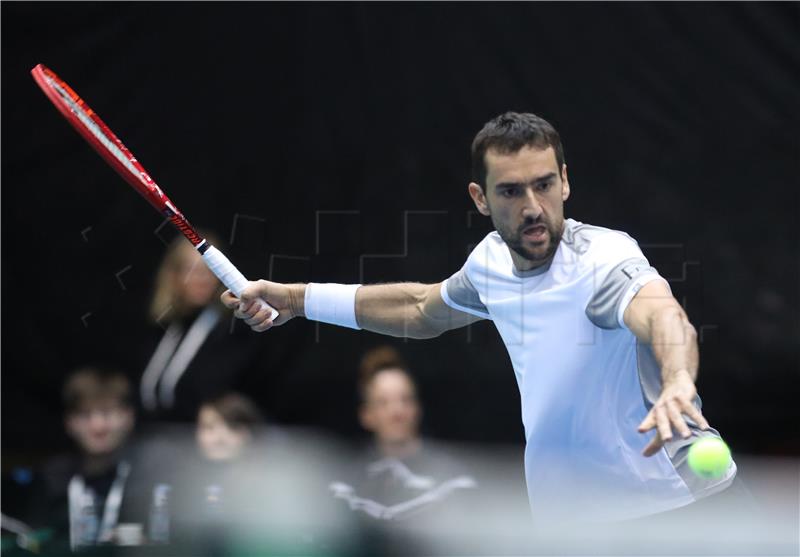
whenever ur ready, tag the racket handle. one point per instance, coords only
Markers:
(229, 274)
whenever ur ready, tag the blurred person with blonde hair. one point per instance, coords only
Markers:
(198, 356)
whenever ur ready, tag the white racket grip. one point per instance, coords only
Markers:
(229, 274)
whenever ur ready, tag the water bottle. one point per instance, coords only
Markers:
(88, 523)
(159, 515)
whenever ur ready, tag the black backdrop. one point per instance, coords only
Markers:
(320, 138)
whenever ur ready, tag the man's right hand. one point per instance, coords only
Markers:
(287, 299)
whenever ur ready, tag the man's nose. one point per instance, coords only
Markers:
(531, 207)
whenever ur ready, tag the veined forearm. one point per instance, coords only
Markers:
(388, 309)
(674, 342)
(394, 309)
(403, 310)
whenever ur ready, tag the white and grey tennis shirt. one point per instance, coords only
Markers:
(585, 381)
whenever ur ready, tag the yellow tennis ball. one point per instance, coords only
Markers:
(709, 457)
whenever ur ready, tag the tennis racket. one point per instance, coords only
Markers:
(103, 140)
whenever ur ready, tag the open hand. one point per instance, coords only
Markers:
(676, 400)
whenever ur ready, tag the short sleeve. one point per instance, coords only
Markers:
(621, 271)
(459, 293)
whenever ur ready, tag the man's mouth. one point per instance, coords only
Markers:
(535, 233)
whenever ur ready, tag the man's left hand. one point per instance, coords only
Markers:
(676, 400)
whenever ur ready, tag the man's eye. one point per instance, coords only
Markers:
(544, 186)
(508, 192)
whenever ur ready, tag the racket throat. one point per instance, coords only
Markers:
(202, 247)
(180, 222)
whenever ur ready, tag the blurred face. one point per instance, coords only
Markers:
(391, 410)
(100, 428)
(193, 282)
(524, 196)
(216, 439)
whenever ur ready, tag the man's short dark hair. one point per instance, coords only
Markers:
(510, 132)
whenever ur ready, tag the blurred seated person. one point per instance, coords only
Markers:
(83, 496)
(226, 426)
(245, 490)
(402, 475)
(195, 356)
(214, 482)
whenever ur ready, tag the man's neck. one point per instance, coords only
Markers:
(523, 264)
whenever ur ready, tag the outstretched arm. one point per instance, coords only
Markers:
(407, 310)
(655, 317)
(402, 310)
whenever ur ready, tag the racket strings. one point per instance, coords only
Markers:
(96, 130)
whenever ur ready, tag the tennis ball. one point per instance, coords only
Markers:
(709, 457)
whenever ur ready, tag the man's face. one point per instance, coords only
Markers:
(100, 427)
(391, 410)
(524, 196)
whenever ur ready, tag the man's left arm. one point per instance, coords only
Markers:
(656, 318)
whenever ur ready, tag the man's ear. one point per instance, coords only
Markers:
(564, 183)
(479, 198)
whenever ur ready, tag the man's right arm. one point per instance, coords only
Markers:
(407, 309)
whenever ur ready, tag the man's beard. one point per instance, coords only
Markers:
(514, 240)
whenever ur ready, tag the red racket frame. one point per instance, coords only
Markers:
(141, 181)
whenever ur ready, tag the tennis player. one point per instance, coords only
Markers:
(604, 356)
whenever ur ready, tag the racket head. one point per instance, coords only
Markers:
(92, 128)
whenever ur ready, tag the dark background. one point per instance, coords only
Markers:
(319, 138)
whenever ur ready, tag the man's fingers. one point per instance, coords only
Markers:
(690, 410)
(255, 320)
(229, 300)
(663, 424)
(262, 326)
(648, 423)
(260, 315)
(249, 307)
(245, 310)
(252, 306)
(653, 446)
(675, 416)
(254, 290)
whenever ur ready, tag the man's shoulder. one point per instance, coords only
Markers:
(491, 247)
(492, 240)
(587, 239)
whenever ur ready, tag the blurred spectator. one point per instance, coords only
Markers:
(225, 427)
(83, 496)
(198, 356)
(242, 489)
(401, 474)
(213, 486)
